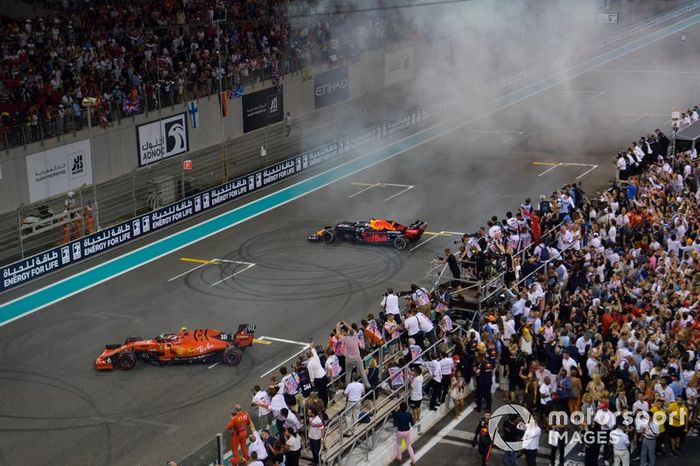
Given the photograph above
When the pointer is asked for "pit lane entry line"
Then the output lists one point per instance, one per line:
(104, 271)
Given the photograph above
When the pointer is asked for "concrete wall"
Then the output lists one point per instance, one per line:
(114, 151)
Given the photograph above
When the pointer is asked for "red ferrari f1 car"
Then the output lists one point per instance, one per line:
(376, 231)
(186, 346)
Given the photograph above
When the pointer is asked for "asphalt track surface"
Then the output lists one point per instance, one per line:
(55, 409)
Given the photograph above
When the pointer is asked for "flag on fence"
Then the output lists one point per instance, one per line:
(193, 110)
(239, 91)
(276, 76)
(223, 97)
(131, 106)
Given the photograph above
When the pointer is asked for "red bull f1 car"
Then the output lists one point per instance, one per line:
(376, 231)
(186, 346)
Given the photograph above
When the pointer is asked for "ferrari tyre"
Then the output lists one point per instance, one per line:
(132, 339)
(328, 236)
(126, 360)
(232, 356)
(401, 243)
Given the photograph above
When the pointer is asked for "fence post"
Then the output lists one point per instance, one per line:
(95, 207)
(182, 178)
(82, 207)
(133, 193)
(219, 449)
(19, 229)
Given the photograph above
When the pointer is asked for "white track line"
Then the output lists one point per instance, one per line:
(494, 131)
(636, 119)
(423, 242)
(214, 365)
(282, 340)
(441, 435)
(587, 172)
(235, 262)
(647, 71)
(189, 271)
(364, 190)
(284, 362)
(549, 169)
(399, 193)
(601, 93)
(233, 275)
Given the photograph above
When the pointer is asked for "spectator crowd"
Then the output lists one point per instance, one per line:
(608, 327)
(124, 55)
(598, 318)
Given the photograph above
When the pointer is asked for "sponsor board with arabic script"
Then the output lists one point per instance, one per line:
(21, 272)
(55, 171)
(162, 139)
(262, 108)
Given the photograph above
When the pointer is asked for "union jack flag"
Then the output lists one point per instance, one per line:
(131, 106)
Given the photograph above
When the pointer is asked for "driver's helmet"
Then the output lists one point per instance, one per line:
(183, 329)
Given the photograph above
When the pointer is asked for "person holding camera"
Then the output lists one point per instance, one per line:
(351, 349)
(420, 300)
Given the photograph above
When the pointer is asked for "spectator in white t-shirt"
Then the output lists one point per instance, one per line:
(416, 396)
(353, 395)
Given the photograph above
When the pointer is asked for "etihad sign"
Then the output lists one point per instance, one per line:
(330, 88)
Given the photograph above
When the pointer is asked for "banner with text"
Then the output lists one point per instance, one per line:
(331, 86)
(59, 170)
(161, 139)
(262, 108)
(25, 270)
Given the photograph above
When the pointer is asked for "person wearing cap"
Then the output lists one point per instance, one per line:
(238, 425)
(605, 419)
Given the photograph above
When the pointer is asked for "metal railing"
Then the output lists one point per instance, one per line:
(142, 191)
(649, 24)
(338, 425)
